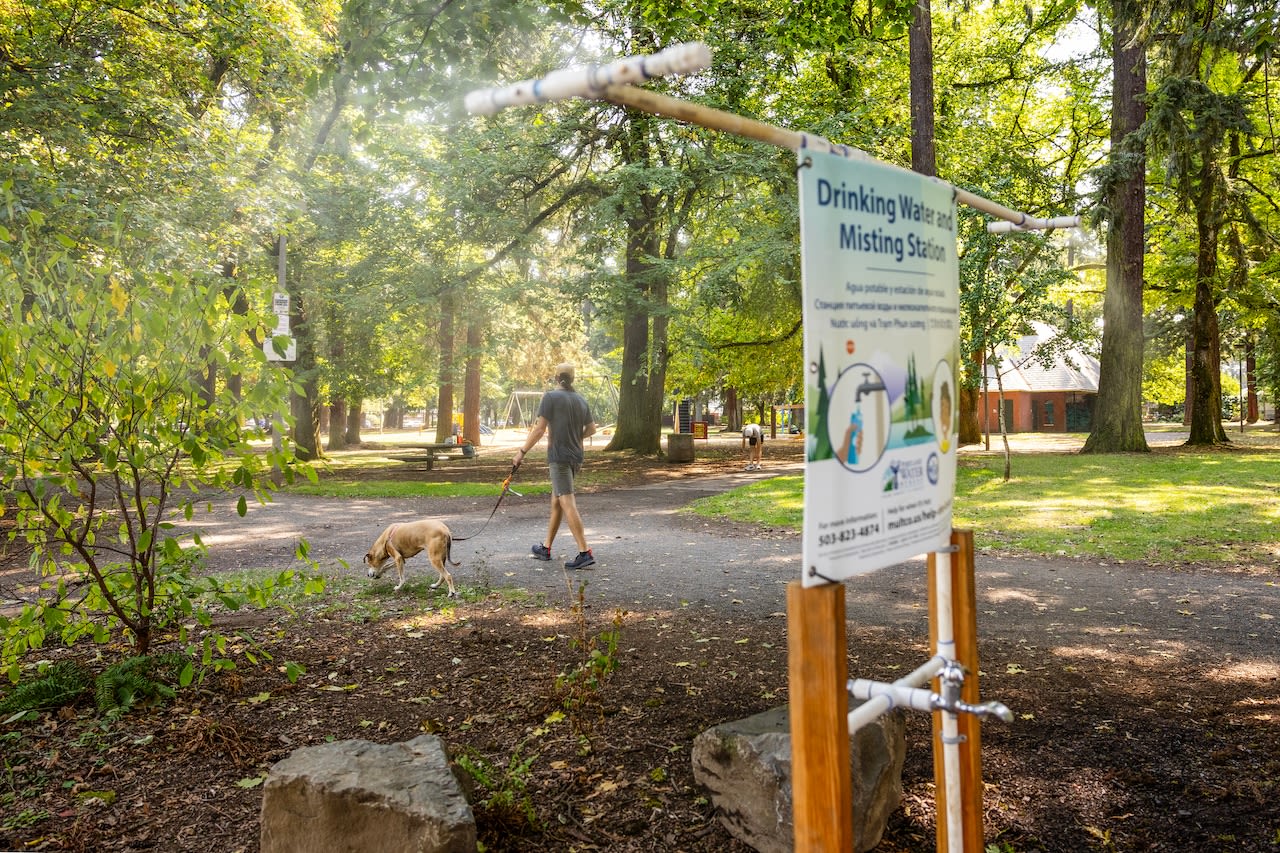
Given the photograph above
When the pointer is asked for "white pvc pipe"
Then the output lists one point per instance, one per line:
(1005, 226)
(881, 697)
(589, 82)
(612, 83)
(950, 724)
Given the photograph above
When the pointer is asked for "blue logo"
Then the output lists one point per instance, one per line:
(931, 469)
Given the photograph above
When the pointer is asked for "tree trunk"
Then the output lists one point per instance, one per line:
(305, 407)
(732, 411)
(471, 386)
(920, 38)
(659, 354)
(1206, 360)
(1004, 427)
(636, 429)
(1117, 421)
(444, 404)
(240, 307)
(338, 425)
(355, 417)
(969, 399)
(644, 338)
(1188, 380)
(1250, 382)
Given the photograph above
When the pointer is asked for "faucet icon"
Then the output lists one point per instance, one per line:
(867, 386)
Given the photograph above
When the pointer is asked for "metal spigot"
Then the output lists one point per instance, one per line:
(951, 679)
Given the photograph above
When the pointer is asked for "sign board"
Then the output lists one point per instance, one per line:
(699, 429)
(280, 305)
(881, 320)
(290, 350)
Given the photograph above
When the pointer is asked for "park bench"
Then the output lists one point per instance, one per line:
(430, 452)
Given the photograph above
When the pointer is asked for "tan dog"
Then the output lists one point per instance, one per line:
(399, 542)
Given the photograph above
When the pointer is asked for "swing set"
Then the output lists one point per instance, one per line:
(821, 723)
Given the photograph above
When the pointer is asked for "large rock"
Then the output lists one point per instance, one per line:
(354, 796)
(746, 765)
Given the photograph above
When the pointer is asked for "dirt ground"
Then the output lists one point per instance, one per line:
(1146, 697)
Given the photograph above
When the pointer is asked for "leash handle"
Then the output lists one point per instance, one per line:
(506, 487)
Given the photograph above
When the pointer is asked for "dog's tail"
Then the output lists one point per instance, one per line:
(448, 550)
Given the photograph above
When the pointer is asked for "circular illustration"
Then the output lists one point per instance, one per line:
(944, 406)
(858, 417)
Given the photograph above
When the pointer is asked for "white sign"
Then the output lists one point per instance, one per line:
(280, 305)
(290, 350)
(881, 320)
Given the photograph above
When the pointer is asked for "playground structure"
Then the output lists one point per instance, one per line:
(817, 649)
(522, 408)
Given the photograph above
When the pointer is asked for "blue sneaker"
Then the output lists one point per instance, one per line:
(542, 552)
(582, 561)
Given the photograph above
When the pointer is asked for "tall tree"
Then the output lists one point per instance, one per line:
(1117, 417)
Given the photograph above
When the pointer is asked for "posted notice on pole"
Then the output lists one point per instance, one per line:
(881, 346)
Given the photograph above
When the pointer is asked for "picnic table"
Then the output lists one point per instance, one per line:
(429, 452)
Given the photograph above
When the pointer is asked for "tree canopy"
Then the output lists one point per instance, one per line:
(443, 261)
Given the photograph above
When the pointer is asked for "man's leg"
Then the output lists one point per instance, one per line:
(569, 506)
(553, 525)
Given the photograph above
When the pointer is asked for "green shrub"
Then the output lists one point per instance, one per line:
(142, 678)
(60, 684)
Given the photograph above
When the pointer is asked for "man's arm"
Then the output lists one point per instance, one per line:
(531, 441)
(589, 430)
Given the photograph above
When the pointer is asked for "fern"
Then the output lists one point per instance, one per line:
(138, 679)
(61, 684)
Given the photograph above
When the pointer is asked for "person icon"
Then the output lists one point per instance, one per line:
(944, 417)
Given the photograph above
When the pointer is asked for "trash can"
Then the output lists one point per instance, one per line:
(680, 447)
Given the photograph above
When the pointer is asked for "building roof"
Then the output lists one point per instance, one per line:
(1022, 369)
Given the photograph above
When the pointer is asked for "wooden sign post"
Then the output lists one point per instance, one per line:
(821, 778)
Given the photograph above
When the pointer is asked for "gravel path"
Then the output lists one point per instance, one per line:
(653, 556)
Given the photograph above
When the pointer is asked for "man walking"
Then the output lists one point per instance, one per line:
(566, 419)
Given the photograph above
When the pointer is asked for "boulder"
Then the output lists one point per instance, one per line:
(746, 765)
(354, 795)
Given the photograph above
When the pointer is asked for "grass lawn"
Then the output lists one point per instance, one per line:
(1171, 505)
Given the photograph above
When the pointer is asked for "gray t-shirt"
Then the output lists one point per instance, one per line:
(567, 416)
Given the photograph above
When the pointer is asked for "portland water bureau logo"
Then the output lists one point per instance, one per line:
(931, 469)
(906, 475)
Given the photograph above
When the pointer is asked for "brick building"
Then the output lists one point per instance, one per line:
(1049, 385)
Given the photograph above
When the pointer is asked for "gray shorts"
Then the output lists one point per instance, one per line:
(562, 474)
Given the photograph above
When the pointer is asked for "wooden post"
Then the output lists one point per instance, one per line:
(964, 618)
(821, 779)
